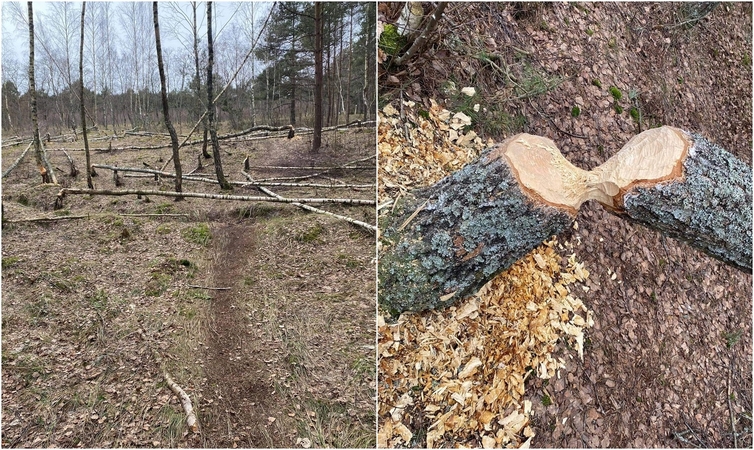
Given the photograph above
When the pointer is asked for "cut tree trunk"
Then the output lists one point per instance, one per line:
(444, 242)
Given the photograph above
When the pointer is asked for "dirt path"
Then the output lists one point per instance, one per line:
(236, 374)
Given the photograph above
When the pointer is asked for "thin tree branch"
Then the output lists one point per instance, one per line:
(421, 41)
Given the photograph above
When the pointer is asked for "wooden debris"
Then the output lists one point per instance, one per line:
(372, 228)
(245, 198)
(17, 161)
(191, 421)
(74, 171)
(463, 368)
(187, 177)
(209, 288)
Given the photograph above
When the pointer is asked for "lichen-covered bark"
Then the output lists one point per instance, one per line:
(710, 208)
(473, 224)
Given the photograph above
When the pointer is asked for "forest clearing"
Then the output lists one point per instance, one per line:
(289, 337)
(226, 301)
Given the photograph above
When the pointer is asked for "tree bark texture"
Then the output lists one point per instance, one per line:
(710, 209)
(442, 243)
(89, 182)
(48, 175)
(318, 81)
(165, 106)
(211, 105)
(445, 242)
(199, 81)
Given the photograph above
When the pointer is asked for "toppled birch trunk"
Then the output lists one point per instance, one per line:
(244, 198)
(16, 162)
(369, 227)
(444, 242)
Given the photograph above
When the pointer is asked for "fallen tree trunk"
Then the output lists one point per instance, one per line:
(245, 198)
(444, 242)
(311, 167)
(237, 183)
(360, 223)
(16, 162)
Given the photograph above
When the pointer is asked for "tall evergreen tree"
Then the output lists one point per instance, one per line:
(317, 140)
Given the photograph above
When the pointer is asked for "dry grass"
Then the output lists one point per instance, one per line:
(76, 293)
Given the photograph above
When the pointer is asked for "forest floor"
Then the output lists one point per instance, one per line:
(282, 357)
(668, 362)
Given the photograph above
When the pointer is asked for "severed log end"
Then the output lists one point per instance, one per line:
(45, 175)
(665, 178)
(708, 205)
(444, 242)
(59, 199)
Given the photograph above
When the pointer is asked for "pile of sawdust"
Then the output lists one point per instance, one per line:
(463, 368)
(418, 147)
(456, 376)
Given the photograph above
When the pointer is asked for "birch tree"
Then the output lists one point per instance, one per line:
(81, 101)
(211, 105)
(165, 106)
(45, 169)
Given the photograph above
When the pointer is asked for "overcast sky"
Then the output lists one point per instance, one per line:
(15, 42)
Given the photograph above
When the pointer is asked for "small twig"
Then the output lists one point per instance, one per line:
(385, 205)
(411, 217)
(578, 136)
(730, 407)
(210, 288)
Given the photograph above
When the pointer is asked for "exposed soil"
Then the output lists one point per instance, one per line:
(668, 362)
(284, 358)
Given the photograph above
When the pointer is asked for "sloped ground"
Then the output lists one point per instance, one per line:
(283, 358)
(668, 362)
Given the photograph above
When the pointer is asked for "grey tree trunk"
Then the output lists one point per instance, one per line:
(199, 81)
(317, 139)
(211, 105)
(444, 242)
(710, 209)
(165, 107)
(89, 182)
(45, 169)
